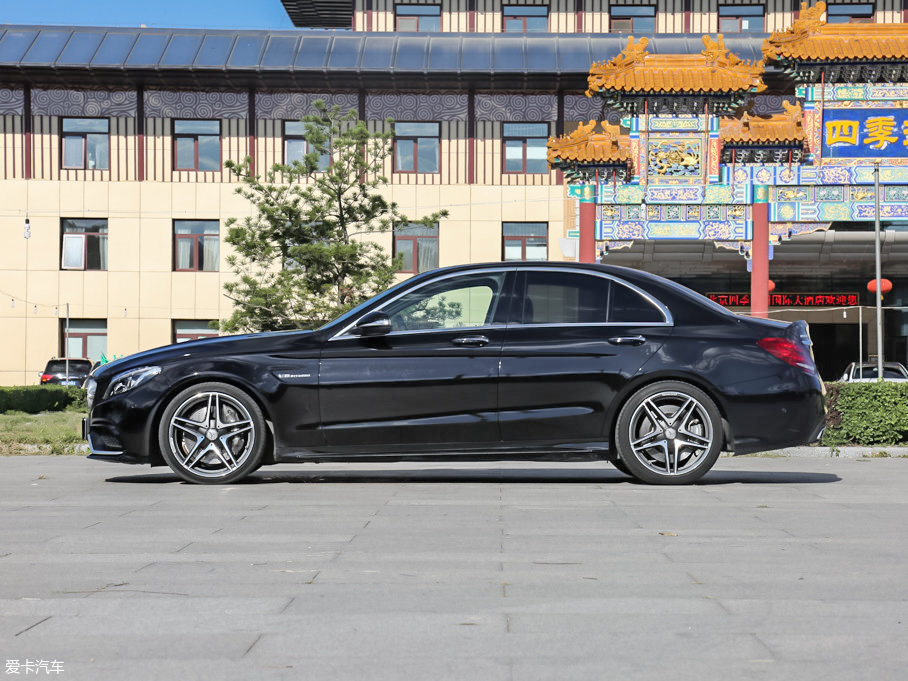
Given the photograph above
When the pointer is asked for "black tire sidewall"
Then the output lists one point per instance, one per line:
(252, 462)
(622, 434)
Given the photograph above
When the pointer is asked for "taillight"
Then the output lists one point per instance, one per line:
(46, 377)
(789, 352)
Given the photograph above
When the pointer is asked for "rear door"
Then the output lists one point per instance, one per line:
(573, 340)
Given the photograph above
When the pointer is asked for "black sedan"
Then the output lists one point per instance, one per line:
(504, 361)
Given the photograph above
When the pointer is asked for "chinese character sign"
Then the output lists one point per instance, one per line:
(865, 133)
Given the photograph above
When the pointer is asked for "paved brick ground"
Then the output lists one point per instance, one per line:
(773, 568)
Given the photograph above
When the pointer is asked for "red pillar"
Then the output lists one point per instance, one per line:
(587, 231)
(759, 258)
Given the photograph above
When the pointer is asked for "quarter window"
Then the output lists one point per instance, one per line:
(626, 19)
(296, 147)
(453, 303)
(86, 143)
(741, 18)
(525, 147)
(628, 306)
(849, 12)
(84, 244)
(196, 245)
(423, 18)
(525, 19)
(197, 145)
(416, 147)
(417, 245)
(525, 241)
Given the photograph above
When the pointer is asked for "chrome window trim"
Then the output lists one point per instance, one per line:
(666, 314)
(343, 335)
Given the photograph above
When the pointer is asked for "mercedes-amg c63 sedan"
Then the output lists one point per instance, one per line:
(497, 361)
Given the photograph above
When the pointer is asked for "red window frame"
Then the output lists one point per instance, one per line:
(414, 264)
(183, 337)
(415, 139)
(523, 17)
(418, 17)
(630, 29)
(84, 135)
(196, 247)
(194, 136)
(523, 138)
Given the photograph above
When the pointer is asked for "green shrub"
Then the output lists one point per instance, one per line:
(37, 398)
(866, 414)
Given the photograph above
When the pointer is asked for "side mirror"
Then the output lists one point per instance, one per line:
(374, 324)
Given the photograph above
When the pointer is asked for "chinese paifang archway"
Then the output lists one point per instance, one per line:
(689, 161)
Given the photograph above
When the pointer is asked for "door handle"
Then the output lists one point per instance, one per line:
(471, 340)
(627, 340)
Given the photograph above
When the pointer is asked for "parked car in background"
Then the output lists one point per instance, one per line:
(55, 371)
(866, 372)
(521, 360)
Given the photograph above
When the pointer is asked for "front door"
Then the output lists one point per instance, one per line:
(573, 340)
(431, 384)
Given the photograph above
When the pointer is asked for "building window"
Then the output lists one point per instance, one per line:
(625, 19)
(416, 147)
(418, 247)
(86, 143)
(525, 240)
(525, 147)
(741, 18)
(84, 338)
(296, 146)
(192, 329)
(197, 145)
(83, 244)
(195, 245)
(849, 13)
(423, 18)
(525, 19)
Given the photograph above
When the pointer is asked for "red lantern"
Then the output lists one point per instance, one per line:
(772, 286)
(885, 285)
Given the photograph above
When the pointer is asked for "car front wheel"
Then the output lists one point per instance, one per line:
(212, 433)
(669, 433)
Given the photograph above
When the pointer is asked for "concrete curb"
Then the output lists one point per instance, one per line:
(878, 451)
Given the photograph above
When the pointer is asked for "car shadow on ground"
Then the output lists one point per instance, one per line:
(495, 476)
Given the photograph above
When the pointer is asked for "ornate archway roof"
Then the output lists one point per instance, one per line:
(810, 39)
(714, 70)
(585, 147)
(778, 129)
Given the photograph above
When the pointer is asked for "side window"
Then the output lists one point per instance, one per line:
(564, 298)
(458, 302)
(627, 305)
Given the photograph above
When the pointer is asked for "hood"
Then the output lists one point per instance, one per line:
(203, 347)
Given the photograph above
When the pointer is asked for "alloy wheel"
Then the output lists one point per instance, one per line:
(671, 433)
(211, 434)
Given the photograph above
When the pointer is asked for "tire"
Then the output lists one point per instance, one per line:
(619, 464)
(212, 433)
(669, 433)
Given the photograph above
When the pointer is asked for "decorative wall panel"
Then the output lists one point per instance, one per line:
(423, 107)
(583, 108)
(12, 102)
(84, 103)
(189, 104)
(286, 105)
(516, 107)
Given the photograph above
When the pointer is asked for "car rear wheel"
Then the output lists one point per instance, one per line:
(212, 433)
(669, 433)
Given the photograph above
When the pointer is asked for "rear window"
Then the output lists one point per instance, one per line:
(58, 366)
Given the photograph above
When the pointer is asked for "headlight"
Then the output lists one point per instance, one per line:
(91, 387)
(128, 380)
